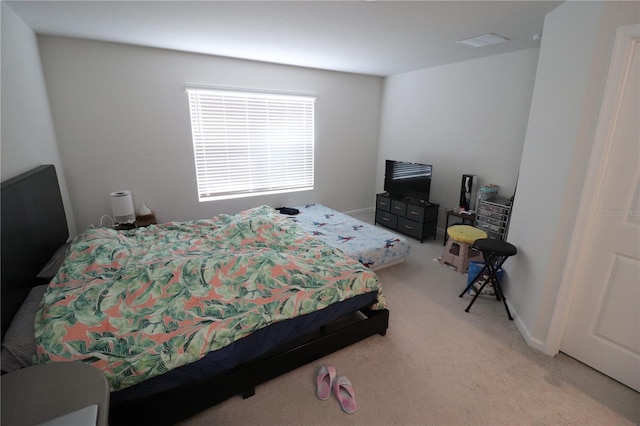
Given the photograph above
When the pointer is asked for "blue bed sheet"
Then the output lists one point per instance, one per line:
(372, 246)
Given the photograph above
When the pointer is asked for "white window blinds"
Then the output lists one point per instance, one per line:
(248, 143)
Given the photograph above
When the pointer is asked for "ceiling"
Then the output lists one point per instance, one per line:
(367, 37)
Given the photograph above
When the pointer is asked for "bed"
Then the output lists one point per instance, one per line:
(374, 247)
(88, 304)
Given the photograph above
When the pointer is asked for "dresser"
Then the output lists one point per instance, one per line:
(415, 218)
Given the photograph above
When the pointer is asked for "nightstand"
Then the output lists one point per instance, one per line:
(141, 221)
(145, 220)
(59, 390)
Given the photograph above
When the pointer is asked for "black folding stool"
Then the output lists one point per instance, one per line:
(495, 253)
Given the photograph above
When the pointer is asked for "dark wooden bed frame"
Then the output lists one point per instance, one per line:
(34, 225)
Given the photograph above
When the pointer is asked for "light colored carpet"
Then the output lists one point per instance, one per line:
(439, 365)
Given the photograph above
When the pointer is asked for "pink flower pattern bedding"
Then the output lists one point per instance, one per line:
(138, 303)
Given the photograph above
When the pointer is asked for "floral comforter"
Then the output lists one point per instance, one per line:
(139, 303)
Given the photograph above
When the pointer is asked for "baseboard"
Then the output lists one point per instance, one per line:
(534, 342)
(360, 211)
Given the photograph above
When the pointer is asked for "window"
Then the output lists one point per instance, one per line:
(248, 143)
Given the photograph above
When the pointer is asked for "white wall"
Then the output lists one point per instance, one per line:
(122, 122)
(572, 69)
(28, 138)
(463, 118)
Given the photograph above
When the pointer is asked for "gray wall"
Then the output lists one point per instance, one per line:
(28, 138)
(122, 122)
(572, 70)
(464, 118)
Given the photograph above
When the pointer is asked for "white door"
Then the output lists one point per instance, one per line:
(603, 325)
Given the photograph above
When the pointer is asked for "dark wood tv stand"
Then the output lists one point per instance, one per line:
(413, 217)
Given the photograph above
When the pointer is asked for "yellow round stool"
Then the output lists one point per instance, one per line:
(457, 251)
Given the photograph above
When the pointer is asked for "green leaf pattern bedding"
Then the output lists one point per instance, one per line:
(138, 303)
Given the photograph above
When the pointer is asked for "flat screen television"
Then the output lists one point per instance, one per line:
(402, 178)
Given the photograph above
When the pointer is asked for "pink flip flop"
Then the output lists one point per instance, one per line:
(324, 381)
(343, 389)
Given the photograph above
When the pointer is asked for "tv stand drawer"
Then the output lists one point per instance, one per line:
(387, 219)
(410, 228)
(383, 203)
(398, 208)
(415, 213)
(409, 216)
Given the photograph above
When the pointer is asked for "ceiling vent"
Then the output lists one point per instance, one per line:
(484, 40)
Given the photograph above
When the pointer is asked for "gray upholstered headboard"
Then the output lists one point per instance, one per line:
(34, 225)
